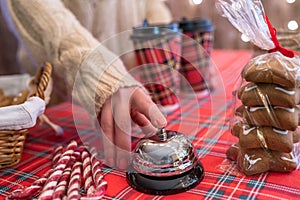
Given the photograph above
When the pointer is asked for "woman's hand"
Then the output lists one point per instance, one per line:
(130, 103)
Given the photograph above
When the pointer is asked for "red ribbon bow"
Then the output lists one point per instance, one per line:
(284, 51)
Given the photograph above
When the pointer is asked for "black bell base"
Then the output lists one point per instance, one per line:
(165, 185)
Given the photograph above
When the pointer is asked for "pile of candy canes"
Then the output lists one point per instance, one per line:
(73, 166)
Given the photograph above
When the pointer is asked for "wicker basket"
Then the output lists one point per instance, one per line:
(12, 141)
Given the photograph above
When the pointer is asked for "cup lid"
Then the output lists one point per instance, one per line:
(197, 24)
(173, 26)
(152, 31)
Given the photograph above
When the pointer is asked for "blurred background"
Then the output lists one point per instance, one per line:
(284, 15)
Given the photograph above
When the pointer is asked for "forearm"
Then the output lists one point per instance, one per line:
(50, 32)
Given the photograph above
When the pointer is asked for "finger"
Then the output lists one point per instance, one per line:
(143, 103)
(122, 129)
(139, 118)
(147, 128)
(107, 126)
(122, 141)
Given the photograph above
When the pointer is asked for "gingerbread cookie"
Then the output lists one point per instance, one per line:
(255, 161)
(20, 98)
(272, 68)
(6, 100)
(1, 93)
(277, 116)
(268, 94)
(296, 137)
(265, 137)
(282, 162)
(233, 152)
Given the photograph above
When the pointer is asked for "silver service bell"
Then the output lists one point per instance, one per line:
(163, 164)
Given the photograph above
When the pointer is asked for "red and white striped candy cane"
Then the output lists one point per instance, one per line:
(98, 193)
(54, 177)
(101, 184)
(61, 187)
(32, 190)
(78, 152)
(74, 184)
(57, 154)
(87, 173)
(96, 170)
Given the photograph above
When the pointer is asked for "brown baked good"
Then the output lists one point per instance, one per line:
(269, 116)
(265, 137)
(6, 100)
(268, 94)
(240, 111)
(256, 161)
(283, 162)
(278, 117)
(272, 68)
(253, 161)
(296, 137)
(1, 93)
(233, 152)
(20, 98)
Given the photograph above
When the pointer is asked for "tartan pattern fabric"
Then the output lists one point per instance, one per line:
(161, 82)
(211, 139)
(163, 50)
(158, 59)
(195, 61)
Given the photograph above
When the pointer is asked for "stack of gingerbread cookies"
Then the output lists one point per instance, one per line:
(268, 117)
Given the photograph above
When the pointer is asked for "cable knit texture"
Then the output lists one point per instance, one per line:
(51, 32)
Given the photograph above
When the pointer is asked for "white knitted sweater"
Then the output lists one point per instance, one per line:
(83, 68)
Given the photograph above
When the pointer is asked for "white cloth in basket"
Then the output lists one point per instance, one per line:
(21, 116)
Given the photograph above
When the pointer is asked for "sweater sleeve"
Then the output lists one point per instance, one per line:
(89, 72)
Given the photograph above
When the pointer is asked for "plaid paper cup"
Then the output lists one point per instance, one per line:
(195, 61)
(157, 52)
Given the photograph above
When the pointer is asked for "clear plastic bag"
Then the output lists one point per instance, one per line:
(266, 113)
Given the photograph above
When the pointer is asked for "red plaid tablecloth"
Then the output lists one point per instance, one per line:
(211, 140)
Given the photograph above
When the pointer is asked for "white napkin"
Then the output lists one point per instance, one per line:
(21, 116)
